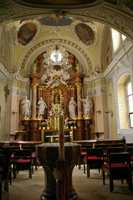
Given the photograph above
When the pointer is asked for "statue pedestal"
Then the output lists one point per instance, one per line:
(48, 154)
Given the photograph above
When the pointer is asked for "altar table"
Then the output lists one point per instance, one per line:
(48, 154)
(45, 133)
(54, 137)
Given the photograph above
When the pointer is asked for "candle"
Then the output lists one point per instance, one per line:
(61, 138)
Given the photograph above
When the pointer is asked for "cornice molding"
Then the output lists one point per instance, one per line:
(4, 71)
(118, 59)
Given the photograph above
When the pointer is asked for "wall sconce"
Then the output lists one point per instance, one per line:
(107, 111)
(13, 112)
(98, 111)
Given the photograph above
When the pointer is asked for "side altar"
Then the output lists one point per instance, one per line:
(57, 91)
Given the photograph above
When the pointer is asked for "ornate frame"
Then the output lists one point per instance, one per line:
(53, 92)
(91, 25)
(20, 24)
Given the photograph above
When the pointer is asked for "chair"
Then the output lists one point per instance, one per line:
(130, 149)
(93, 159)
(112, 150)
(34, 157)
(104, 147)
(118, 145)
(21, 162)
(0, 187)
(119, 167)
(12, 156)
(83, 154)
(5, 168)
(129, 144)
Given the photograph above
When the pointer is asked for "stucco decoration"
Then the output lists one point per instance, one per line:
(3, 53)
(40, 44)
(108, 48)
(26, 32)
(85, 32)
(118, 17)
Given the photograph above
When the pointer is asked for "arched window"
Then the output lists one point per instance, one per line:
(125, 102)
(129, 96)
(117, 39)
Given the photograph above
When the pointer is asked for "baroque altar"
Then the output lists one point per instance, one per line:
(57, 90)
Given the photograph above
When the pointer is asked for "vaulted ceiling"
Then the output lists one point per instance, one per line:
(116, 13)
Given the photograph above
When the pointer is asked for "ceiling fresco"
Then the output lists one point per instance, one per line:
(54, 21)
(26, 33)
(85, 33)
(60, 2)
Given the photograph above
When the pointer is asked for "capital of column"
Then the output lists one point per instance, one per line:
(73, 87)
(34, 84)
(39, 88)
(69, 87)
(79, 85)
(43, 87)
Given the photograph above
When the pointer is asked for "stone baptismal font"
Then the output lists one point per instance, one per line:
(58, 181)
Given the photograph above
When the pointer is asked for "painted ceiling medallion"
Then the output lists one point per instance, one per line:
(55, 21)
(27, 31)
(85, 33)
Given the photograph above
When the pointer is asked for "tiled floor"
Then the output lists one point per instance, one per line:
(24, 188)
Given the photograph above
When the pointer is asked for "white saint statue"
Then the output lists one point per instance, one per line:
(72, 108)
(41, 107)
(25, 105)
(87, 106)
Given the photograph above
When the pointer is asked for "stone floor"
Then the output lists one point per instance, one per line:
(24, 188)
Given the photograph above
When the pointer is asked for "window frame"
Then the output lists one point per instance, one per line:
(127, 101)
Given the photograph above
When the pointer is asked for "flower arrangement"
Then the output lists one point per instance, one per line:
(43, 124)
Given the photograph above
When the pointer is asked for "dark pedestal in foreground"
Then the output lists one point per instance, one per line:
(48, 155)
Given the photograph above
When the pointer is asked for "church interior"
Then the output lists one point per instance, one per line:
(66, 58)
(96, 48)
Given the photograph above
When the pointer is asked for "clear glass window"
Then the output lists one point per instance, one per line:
(123, 37)
(116, 39)
(130, 103)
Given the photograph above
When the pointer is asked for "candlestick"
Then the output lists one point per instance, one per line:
(61, 138)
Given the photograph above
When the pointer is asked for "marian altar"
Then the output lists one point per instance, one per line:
(56, 91)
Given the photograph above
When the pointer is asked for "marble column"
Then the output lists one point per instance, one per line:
(39, 92)
(34, 92)
(68, 99)
(73, 93)
(35, 77)
(79, 95)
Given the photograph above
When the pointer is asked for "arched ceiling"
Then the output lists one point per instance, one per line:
(116, 13)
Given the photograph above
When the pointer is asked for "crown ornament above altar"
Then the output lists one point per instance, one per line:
(56, 64)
